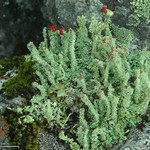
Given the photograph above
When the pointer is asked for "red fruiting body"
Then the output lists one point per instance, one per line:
(61, 31)
(104, 9)
(52, 28)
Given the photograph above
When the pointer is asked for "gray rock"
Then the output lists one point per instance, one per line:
(49, 11)
(10, 104)
(49, 141)
(137, 139)
(18, 19)
(69, 10)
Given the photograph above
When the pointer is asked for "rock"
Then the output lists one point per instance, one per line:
(49, 11)
(138, 138)
(20, 22)
(10, 104)
(49, 141)
(65, 12)
(69, 10)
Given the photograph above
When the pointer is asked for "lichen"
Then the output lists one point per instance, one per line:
(89, 63)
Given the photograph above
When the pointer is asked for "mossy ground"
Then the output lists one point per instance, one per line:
(21, 84)
(25, 136)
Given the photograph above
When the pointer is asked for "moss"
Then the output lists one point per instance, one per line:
(31, 137)
(20, 84)
(10, 63)
(14, 128)
(6, 65)
(26, 137)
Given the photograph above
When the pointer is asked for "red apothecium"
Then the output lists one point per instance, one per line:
(52, 28)
(104, 9)
(61, 31)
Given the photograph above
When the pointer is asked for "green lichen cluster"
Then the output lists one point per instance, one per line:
(91, 88)
(21, 83)
(141, 12)
(124, 36)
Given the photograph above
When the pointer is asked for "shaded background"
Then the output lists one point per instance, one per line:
(22, 21)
